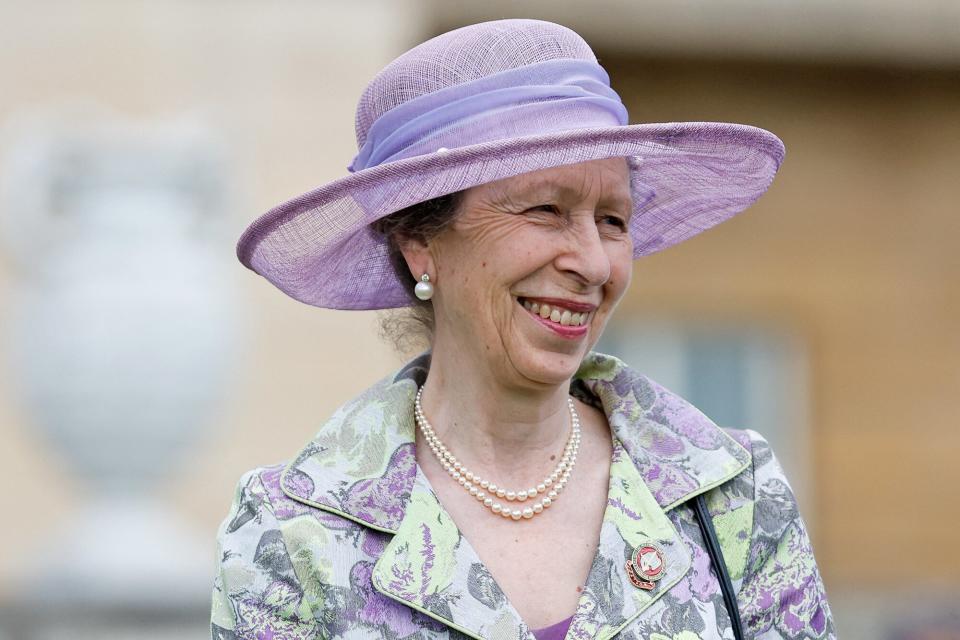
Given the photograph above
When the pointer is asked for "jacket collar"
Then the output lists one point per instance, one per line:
(361, 463)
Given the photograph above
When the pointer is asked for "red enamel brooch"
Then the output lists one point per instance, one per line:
(645, 566)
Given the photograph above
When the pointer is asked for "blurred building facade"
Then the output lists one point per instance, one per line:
(851, 257)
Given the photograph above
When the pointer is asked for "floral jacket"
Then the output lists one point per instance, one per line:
(349, 540)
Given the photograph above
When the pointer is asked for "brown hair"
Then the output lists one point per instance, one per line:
(410, 327)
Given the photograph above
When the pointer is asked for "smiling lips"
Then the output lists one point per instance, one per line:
(558, 315)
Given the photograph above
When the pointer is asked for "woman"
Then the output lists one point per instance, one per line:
(510, 483)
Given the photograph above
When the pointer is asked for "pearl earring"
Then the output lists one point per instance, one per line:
(424, 290)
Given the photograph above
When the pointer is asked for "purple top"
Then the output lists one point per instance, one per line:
(554, 632)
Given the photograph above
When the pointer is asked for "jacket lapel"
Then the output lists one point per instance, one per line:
(632, 519)
(678, 451)
(361, 463)
(665, 452)
(361, 466)
(430, 566)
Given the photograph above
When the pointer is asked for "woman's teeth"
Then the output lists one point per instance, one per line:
(561, 316)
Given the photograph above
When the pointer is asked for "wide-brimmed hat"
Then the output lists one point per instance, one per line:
(486, 102)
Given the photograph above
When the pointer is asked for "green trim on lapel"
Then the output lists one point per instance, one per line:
(632, 517)
(429, 566)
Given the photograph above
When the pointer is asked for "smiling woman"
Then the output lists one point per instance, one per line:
(509, 482)
(541, 191)
(501, 249)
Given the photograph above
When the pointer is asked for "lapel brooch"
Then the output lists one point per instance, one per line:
(645, 566)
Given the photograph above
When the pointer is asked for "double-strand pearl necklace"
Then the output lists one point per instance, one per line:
(485, 491)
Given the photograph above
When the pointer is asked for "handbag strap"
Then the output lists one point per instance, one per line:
(716, 558)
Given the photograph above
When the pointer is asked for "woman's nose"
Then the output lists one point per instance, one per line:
(585, 255)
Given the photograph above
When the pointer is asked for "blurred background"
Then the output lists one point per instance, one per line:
(143, 369)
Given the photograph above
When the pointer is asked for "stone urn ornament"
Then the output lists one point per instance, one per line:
(121, 339)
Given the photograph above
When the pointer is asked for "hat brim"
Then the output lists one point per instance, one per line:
(319, 247)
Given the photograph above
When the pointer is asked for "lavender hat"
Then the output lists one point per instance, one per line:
(479, 104)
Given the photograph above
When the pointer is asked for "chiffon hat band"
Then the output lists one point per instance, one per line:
(482, 103)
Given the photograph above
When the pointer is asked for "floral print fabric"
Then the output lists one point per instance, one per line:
(350, 541)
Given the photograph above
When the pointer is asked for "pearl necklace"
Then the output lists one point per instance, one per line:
(485, 491)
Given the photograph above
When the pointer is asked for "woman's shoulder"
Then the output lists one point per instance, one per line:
(258, 493)
(762, 482)
(769, 548)
(254, 528)
(256, 578)
(272, 534)
(265, 498)
(279, 558)
(764, 473)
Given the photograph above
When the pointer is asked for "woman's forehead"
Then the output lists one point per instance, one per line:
(607, 179)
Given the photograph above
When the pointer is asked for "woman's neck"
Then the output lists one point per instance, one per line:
(506, 433)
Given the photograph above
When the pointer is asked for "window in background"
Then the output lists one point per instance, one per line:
(743, 376)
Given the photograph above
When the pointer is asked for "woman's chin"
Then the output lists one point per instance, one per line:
(548, 368)
(544, 354)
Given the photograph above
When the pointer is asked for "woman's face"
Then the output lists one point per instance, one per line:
(531, 269)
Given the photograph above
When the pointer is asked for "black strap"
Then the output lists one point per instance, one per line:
(716, 557)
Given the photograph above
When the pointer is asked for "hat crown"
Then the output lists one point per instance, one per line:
(463, 55)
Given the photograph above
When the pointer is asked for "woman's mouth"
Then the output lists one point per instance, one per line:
(554, 315)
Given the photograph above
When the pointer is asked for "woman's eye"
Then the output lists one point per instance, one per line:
(616, 221)
(552, 208)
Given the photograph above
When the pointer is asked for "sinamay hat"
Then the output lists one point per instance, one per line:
(482, 103)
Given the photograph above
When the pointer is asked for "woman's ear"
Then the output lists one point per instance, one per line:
(418, 257)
